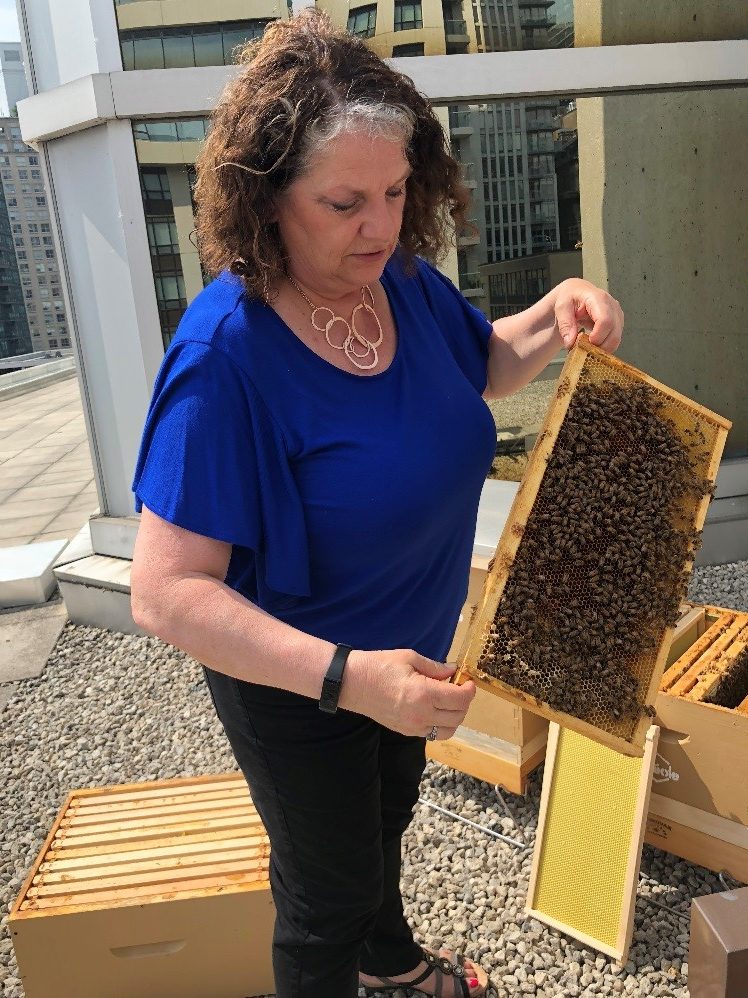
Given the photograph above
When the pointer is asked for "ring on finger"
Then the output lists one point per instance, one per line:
(431, 736)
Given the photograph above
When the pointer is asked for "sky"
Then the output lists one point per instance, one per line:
(9, 22)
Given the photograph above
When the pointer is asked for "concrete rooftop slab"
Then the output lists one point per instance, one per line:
(27, 637)
(47, 487)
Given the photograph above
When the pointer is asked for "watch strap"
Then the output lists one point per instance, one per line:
(331, 684)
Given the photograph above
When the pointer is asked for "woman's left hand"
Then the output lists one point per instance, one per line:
(580, 304)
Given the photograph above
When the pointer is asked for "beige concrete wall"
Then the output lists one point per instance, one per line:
(564, 265)
(636, 22)
(152, 13)
(448, 266)
(185, 223)
(664, 203)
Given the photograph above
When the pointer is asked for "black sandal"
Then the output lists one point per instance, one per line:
(443, 967)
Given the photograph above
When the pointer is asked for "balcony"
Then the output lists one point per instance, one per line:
(535, 21)
(467, 238)
(471, 286)
(460, 124)
(455, 30)
(467, 178)
(539, 125)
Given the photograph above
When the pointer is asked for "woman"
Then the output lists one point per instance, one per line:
(309, 476)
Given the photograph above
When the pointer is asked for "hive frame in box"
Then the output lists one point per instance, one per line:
(552, 797)
(511, 539)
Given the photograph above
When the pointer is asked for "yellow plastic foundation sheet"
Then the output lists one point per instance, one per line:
(593, 811)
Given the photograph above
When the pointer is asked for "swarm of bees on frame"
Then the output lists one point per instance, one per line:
(604, 558)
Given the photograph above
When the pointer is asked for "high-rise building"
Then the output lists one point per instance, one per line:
(14, 330)
(13, 85)
(31, 232)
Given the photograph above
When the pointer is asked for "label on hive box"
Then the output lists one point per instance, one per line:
(658, 828)
(663, 771)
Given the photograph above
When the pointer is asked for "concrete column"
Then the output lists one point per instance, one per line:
(664, 202)
(96, 204)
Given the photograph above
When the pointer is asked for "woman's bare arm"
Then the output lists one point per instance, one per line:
(178, 593)
(521, 345)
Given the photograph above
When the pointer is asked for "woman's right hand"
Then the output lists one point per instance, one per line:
(405, 692)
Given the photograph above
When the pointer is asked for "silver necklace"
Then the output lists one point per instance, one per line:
(356, 347)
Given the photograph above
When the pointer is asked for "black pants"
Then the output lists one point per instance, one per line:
(335, 793)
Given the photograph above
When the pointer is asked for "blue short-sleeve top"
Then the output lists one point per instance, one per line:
(349, 500)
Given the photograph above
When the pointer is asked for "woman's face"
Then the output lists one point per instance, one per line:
(340, 221)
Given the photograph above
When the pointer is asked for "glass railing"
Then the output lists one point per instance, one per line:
(452, 27)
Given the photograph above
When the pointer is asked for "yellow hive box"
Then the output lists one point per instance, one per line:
(157, 889)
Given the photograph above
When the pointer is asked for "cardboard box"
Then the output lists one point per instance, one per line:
(718, 951)
(498, 742)
(158, 890)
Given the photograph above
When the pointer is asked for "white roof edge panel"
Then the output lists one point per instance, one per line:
(581, 72)
(71, 107)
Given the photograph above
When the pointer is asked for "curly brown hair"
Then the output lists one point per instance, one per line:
(297, 77)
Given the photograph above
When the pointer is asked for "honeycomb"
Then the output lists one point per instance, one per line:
(605, 552)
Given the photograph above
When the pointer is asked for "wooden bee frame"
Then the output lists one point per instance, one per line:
(585, 866)
(583, 364)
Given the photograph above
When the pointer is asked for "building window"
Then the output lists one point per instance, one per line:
(188, 45)
(399, 51)
(41, 201)
(50, 254)
(65, 342)
(181, 130)
(362, 21)
(407, 15)
(155, 185)
(53, 343)
(162, 236)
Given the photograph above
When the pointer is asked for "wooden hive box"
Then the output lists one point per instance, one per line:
(580, 601)
(497, 742)
(156, 889)
(699, 804)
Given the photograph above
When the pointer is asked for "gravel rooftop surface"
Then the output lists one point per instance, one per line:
(112, 708)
